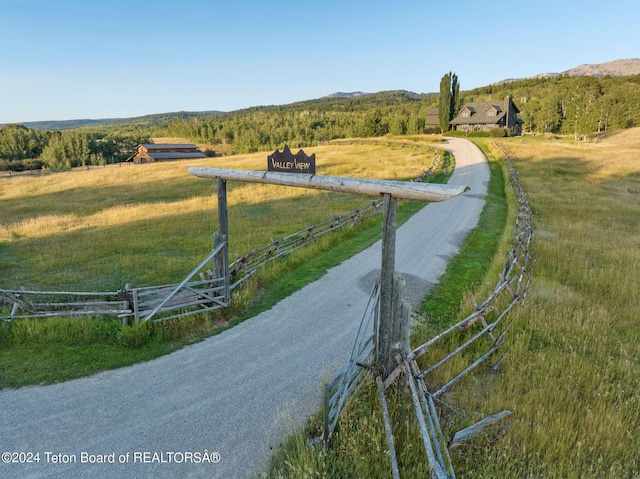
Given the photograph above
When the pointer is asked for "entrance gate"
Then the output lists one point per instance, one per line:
(392, 331)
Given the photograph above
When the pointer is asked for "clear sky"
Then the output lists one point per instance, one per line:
(73, 59)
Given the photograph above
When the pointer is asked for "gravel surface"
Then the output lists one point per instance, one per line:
(233, 396)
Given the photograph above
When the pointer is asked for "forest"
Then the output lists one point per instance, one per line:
(563, 105)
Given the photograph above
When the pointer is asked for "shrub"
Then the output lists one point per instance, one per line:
(478, 134)
(21, 165)
(498, 132)
(456, 133)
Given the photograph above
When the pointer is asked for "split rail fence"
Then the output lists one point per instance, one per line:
(200, 291)
(510, 290)
(245, 266)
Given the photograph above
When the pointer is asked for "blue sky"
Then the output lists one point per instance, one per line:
(70, 59)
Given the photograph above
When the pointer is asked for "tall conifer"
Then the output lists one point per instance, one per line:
(448, 100)
(444, 102)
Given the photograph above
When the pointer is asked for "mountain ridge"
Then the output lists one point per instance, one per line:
(616, 68)
(621, 67)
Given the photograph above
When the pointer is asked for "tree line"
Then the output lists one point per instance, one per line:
(22, 148)
(577, 106)
(308, 123)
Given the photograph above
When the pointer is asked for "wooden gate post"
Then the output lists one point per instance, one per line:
(392, 334)
(221, 262)
(385, 323)
(391, 338)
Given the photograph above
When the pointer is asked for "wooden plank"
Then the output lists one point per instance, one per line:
(471, 367)
(62, 293)
(479, 428)
(436, 469)
(69, 314)
(457, 350)
(397, 189)
(387, 428)
(434, 413)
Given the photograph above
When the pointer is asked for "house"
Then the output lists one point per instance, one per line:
(150, 153)
(485, 115)
(433, 119)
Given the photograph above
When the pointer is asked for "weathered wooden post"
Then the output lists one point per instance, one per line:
(393, 326)
(384, 357)
(221, 262)
(126, 303)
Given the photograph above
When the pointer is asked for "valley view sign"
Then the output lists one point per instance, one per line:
(286, 162)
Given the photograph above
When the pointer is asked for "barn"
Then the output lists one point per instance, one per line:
(151, 153)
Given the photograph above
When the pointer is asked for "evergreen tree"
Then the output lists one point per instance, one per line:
(455, 96)
(448, 100)
(444, 102)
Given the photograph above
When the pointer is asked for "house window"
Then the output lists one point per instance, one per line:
(465, 127)
(491, 113)
(465, 114)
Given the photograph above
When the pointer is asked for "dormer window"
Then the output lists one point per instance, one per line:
(465, 114)
(491, 113)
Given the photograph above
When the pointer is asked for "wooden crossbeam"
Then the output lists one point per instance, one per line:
(365, 186)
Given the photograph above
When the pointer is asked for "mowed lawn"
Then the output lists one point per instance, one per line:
(571, 372)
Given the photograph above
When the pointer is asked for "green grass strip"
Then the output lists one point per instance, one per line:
(468, 268)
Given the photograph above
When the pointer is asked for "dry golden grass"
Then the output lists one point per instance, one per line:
(572, 367)
(149, 224)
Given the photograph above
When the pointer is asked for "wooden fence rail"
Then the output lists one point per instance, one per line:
(245, 266)
(52, 304)
(358, 366)
(143, 304)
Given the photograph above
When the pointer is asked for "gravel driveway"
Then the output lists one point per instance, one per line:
(216, 409)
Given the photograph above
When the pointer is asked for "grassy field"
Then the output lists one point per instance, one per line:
(571, 368)
(100, 228)
(97, 229)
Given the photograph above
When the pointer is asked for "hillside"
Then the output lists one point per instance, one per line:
(146, 120)
(615, 68)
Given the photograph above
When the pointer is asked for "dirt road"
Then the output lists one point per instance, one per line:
(217, 409)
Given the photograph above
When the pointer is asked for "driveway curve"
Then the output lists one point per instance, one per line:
(218, 408)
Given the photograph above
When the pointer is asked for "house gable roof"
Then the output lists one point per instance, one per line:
(169, 146)
(479, 111)
(176, 155)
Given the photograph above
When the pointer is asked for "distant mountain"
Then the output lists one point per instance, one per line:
(139, 120)
(355, 94)
(67, 124)
(616, 68)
